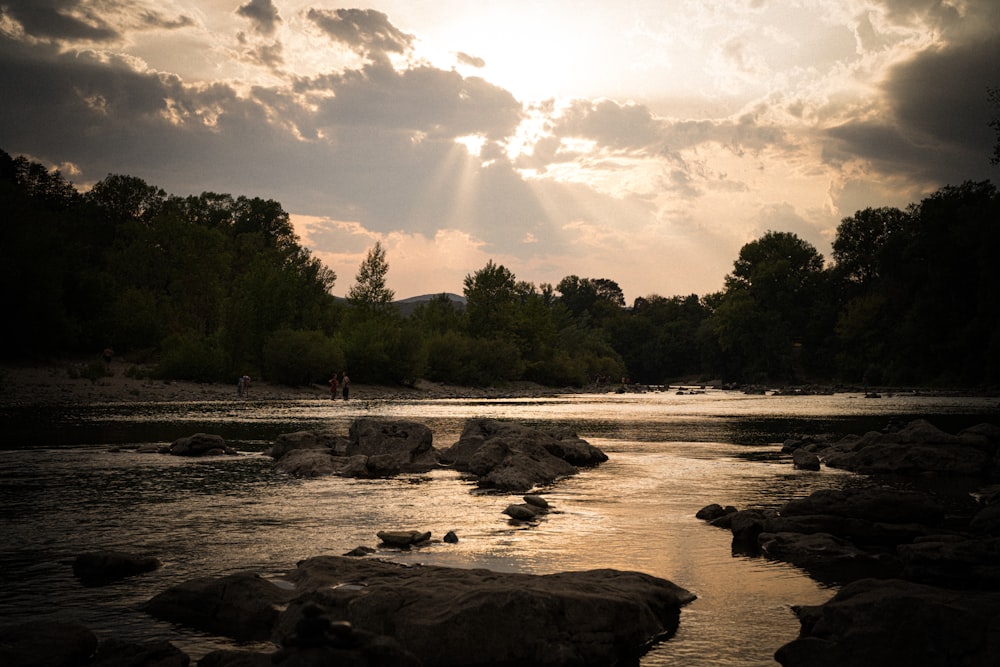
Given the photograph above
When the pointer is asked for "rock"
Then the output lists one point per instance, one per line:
(408, 443)
(243, 606)
(917, 448)
(101, 567)
(873, 623)
(872, 504)
(46, 644)
(523, 512)
(403, 538)
(115, 653)
(746, 526)
(987, 520)
(805, 460)
(324, 440)
(953, 561)
(451, 537)
(515, 458)
(309, 462)
(319, 641)
(360, 552)
(233, 658)
(825, 557)
(536, 500)
(201, 444)
(458, 616)
(714, 511)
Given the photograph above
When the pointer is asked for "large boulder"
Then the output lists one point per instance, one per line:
(871, 504)
(873, 623)
(201, 444)
(454, 616)
(827, 558)
(918, 448)
(309, 462)
(951, 560)
(409, 443)
(100, 567)
(46, 644)
(512, 457)
(322, 440)
(243, 606)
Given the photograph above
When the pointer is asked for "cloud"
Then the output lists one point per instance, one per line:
(59, 19)
(471, 61)
(263, 14)
(366, 31)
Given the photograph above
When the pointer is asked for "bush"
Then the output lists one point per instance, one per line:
(301, 357)
(186, 357)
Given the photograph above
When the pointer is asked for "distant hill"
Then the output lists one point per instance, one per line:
(407, 306)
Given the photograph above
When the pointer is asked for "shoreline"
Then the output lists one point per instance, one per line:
(57, 383)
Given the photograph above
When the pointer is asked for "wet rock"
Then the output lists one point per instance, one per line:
(201, 444)
(243, 606)
(523, 512)
(512, 457)
(329, 441)
(100, 567)
(825, 557)
(309, 462)
(953, 561)
(872, 623)
(233, 658)
(409, 444)
(403, 538)
(360, 552)
(918, 448)
(805, 460)
(451, 537)
(746, 526)
(536, 500)
(714, 511)
(46, 644)
(872, 504)
(460, 616)
(987, 520)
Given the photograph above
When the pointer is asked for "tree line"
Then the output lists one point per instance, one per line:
(213, 286)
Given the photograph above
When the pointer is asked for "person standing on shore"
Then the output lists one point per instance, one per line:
(346, 383)
(333, 386)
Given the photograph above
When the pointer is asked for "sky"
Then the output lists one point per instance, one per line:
(641, 141)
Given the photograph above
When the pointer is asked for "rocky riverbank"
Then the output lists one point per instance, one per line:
(920, 567)
(70, 382)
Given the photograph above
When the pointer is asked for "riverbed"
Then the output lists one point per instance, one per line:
(65, 490)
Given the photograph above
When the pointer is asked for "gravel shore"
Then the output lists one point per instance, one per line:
(62, 382)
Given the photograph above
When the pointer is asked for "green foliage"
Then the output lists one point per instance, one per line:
(460, 359)
(189, 357)
(218, 286)
(370, 290)
(301, 357)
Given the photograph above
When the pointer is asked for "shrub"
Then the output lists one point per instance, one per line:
(301, 357)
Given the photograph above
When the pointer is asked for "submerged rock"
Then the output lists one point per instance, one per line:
(99, 567)
(201, 444)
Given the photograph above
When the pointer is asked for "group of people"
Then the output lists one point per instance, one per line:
(243, 385)
(344, 384)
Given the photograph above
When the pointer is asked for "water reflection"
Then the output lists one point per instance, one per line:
(62, 492)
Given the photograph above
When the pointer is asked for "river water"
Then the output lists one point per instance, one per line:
(64, 492)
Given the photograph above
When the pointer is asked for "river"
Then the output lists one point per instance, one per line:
(64, 492)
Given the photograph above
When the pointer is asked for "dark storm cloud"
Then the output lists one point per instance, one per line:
(936, 129)
(263, 14)
(59, 19)
(365, 31)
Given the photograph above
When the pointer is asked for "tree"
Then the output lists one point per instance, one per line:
(370, 292)
(993, 95)
(869, 243)
(491, 297)
(768, 312)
